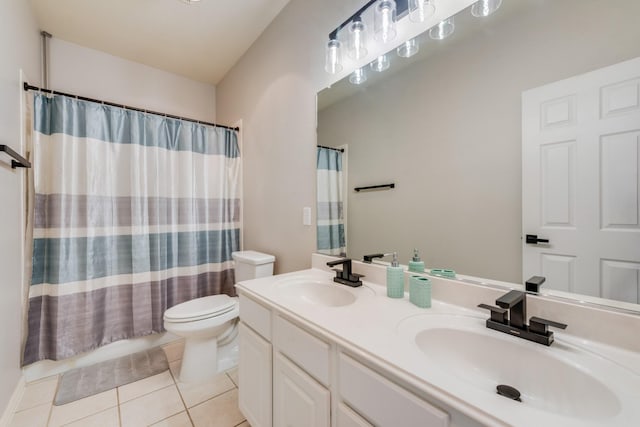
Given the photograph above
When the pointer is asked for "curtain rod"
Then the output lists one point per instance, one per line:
(28, 87)
(331, 148)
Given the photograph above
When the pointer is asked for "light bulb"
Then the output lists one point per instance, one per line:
(333, 57)
(443, 30)
(384, 20)
(359, 76)
(421, 10)
(484, 8)
(357, 36)
(380, 64)
(408, 48)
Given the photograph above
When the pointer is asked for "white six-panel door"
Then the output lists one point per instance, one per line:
(581, 182)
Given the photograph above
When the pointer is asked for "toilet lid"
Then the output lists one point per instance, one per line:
(201, 308)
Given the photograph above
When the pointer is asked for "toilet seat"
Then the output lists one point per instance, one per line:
(200, 309)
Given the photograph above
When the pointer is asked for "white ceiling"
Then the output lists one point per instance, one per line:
(201, 41)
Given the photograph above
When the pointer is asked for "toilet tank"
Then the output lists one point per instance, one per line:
(252, 265)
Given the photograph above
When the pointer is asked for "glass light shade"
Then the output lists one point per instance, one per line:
(357, 37)
(384, 20)
(484, 8)
(443, 30)
(421, 10)
(408, 48)
(380, 64)
(359, 76)
(333, 57)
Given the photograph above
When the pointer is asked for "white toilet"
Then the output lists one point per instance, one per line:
(209, 324)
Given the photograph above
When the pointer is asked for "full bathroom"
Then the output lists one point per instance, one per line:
(339, 213)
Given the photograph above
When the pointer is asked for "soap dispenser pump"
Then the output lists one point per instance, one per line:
(395, 279)
(416, 265)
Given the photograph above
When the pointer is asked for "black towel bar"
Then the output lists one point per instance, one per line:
(19, 162)
(375, 187)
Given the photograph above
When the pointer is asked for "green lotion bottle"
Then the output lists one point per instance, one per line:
(395, 279)
(416, 265)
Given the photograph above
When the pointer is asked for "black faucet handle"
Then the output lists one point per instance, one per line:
(338, 262)
(369, 258)
(540, 326)
(497, 314)
(534, 283)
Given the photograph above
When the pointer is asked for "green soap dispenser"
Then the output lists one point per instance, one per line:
(416, 265)
(395, 279)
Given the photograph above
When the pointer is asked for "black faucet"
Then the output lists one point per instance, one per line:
(345, 276)
(515, 304)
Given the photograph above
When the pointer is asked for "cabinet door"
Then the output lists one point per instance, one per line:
(254, 374)
(298, 400)
(346, 417)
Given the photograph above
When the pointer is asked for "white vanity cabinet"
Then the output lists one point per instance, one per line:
(292, 377)
(255, 364)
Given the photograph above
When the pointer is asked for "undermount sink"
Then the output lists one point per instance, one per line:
(318, 292)
(555, 379)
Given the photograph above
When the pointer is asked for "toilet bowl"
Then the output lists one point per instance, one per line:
(206, 324)
(209, 324)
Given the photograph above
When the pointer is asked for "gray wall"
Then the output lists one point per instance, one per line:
(19, 49)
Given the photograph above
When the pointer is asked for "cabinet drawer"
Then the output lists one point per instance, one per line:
(307, 351)
(256, 316)
(384, 403)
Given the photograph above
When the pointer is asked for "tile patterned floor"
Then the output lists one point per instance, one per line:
(159, 401)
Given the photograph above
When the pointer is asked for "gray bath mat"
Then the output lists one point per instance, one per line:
(90, 380)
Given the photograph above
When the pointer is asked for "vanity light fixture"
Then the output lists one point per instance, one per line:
(358, 77)
(408, 48)
(381, 15)
(357, 37)
(421, 10)
(384, 20)
(380, 64)
(443, 30)
(333, 57)
(484, 8)
(190, 1)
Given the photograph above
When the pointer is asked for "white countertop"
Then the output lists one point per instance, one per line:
(369, 327)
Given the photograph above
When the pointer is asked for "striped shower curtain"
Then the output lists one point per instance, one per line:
(132, 213)
(330, 233)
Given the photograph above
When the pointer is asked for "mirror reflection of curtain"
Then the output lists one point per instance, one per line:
(133, 213)
(331, 236)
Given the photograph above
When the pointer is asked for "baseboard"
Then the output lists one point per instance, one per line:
(12, 406)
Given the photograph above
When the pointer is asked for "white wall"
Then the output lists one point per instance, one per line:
(273, 90)
(87, 72)
(19, 49)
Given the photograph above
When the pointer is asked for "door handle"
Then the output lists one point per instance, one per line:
(532, 239)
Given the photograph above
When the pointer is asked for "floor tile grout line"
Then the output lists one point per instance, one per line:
(148, 392)
(186, 409)
(119, 413)
(163, 388)
(49, 379)
(87, 416)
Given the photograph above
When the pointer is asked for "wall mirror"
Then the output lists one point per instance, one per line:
(447, 127)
